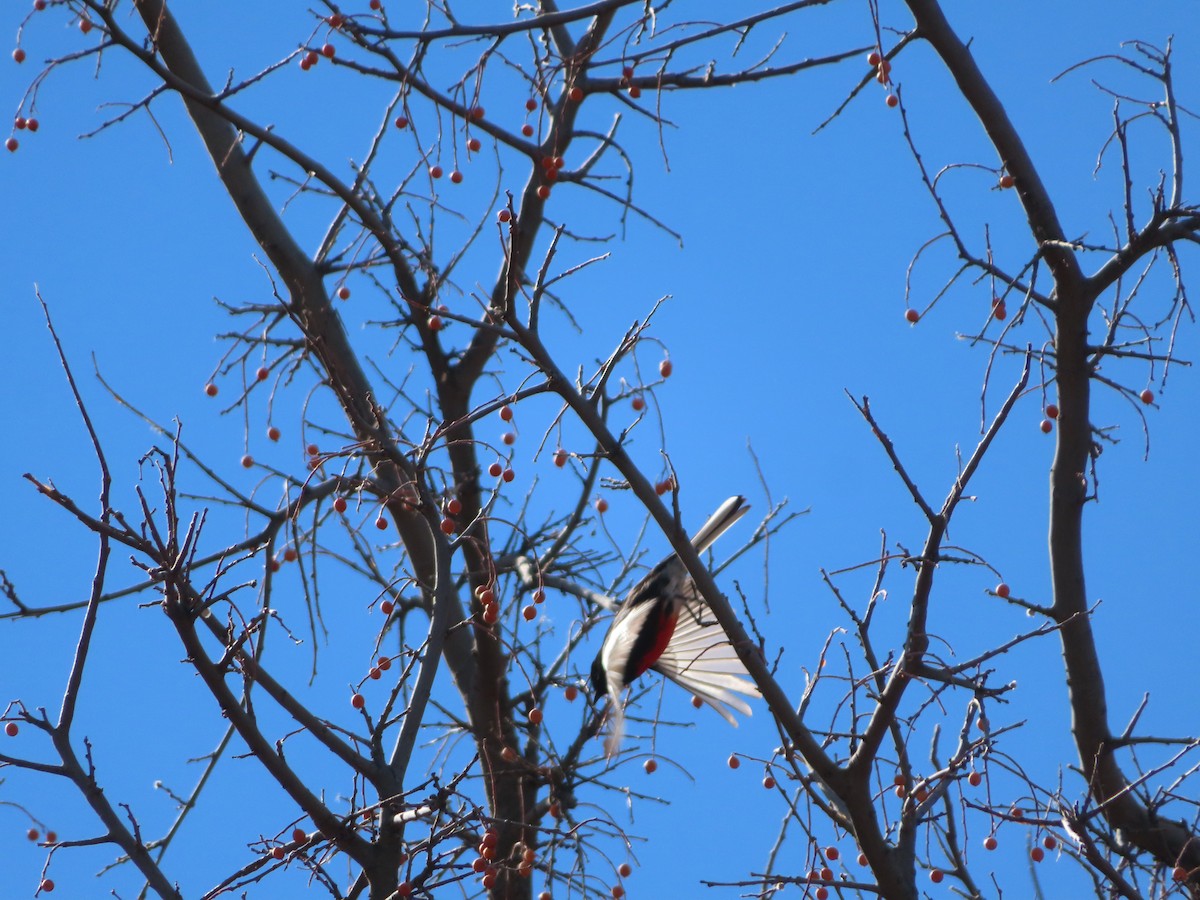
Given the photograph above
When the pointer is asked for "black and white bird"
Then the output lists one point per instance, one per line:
(665, 625)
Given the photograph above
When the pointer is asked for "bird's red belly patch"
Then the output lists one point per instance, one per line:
(663, 633)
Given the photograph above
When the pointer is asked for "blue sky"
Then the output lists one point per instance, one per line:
(787, 292)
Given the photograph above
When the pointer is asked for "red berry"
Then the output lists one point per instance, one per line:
(405, 888)
(989, 843)
(11, 729)
(358, 701)
(262, 374)
(504, 215)
(491, 613)
(436, 323)
(560, 457)
(531, 104)
(47, 885)
(635, 91)
(273, 433)
(651, 766)
(51, 837)
(576, 94)
(343, 293)
(33, 834)
(862, 859)
(697, 702)
(543, 191)
(381, 523)
(19, 123)
(247, 461)
(1037, 854)
(290, 554)
(912, 315)
(627, 72)
(1003, 590)
(975, 779)
(18, 55)
(328, 50)
(339, 504)
(665, 368)
(769, 783)
(31, 124)
(477, 113)
(936, 876)
(376, 673)
(1051, 411)
(822, 893)
(495, 469)
(473, 144)
(508, 475)
(277, 852)
(456, 177)
(1000, 311)
(831, 853)
(1179, 873)
(570, 693)
(384, 663)
(375, 4)
(305, 64)
(873, 60)
(1047, 426)
(312, 450)
(638, 403)
(509, 438)
(299, 835)
(892, 100)
(386, 607)
(274, 565)
(601, 505)
(624, 870)
(506, 413)
(1007, 181)
(85, 25)
(334, 21)
(401, 122)
(447, 526)
(527, 130)
(1049, 842)
(618, 892)
(313, 57)
(453, 506)
(39, 4)
(1147, 396)
(11, 145)
(733, 761)
(535, 716)
(435, 171)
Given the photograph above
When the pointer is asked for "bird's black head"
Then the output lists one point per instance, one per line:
(599, 677)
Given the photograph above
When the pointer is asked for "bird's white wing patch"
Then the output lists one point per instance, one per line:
(701, 660)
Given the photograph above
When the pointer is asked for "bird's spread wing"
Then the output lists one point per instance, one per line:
(700, 659)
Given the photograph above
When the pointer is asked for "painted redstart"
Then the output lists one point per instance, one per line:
(665, 625)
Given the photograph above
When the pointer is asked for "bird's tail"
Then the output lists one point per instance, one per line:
(719, 522)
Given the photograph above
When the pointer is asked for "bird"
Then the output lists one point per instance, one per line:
(665, 625)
